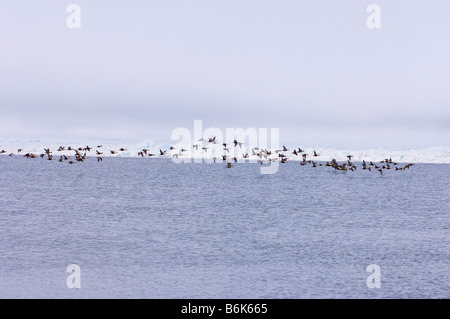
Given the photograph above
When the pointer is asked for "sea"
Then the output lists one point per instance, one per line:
(129, 227)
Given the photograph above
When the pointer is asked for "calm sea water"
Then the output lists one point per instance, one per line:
(150, 228)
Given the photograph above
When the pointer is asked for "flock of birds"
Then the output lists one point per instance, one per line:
(227, 156)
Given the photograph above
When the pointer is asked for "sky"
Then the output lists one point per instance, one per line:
(313, 69)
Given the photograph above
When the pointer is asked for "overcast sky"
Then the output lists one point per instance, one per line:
(313, 69)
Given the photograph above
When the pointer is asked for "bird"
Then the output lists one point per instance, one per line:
(236, 143)
(262, 155)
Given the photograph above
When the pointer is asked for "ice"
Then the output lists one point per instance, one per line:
(436, 154)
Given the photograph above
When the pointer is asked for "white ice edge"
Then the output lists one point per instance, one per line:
(435, 154)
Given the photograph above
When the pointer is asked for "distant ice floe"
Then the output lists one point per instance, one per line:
(438, 154)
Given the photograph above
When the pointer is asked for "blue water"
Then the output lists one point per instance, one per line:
(150, 228)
